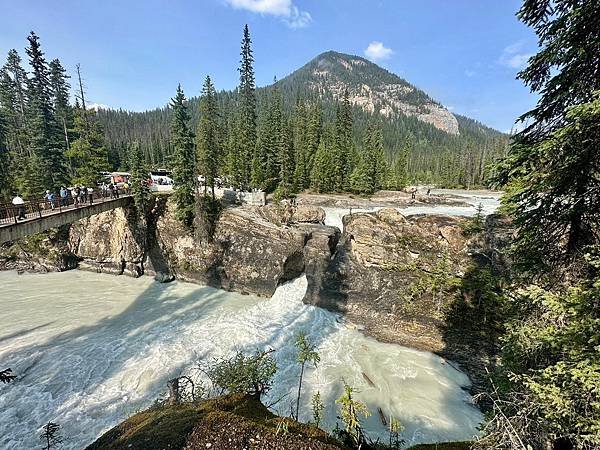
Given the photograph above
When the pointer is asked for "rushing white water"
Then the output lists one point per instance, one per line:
(490, 201)
(91, 349)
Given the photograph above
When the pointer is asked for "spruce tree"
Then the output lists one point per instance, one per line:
(183, 160)
(87, 151)
(300, 143)
(246, 144)
(398, 177)
(60, 95)
(19, 79)
(313, 135)
(46, 168)
(344, 148)
(552, 190)
(139, 178)
(5, 179)
(323, 171)
(207, 137)
(286, 161)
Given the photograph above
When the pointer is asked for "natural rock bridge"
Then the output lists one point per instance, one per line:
(38, 216)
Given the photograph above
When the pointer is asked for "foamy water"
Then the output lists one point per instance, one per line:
(91, 349)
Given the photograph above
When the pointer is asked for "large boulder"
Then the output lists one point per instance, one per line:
(250, 251)
(110, 242)
(393, 275)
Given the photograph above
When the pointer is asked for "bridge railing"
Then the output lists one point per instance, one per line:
(33, 209)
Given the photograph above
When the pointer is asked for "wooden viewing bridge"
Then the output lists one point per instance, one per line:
(32, 217)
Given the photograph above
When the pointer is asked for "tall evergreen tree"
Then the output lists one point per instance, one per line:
(87, 152)
(207, 137)
(19, 79)
(246, 144)
(139, 178)
(553, 190)
(344, 148)
(46, 168)
(183, 160)
(398, 174)
(60, 95)
(5, 180)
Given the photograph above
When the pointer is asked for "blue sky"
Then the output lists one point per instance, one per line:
(463, 53)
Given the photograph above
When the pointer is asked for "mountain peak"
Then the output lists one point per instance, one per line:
(371, 87)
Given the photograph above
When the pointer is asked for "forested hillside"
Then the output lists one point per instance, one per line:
(437, 146)
(340, 123)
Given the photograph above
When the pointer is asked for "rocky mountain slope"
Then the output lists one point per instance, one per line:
(370, 87)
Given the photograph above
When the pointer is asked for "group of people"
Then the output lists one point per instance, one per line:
(112, 190)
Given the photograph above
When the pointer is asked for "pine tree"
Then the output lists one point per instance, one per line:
(184, 161)
(245, 146)
(398, 176)
(207, 138)
(46, 168)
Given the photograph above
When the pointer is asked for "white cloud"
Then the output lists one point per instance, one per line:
(284, 9)
(470, 73)
(378, 52)
(514, 57)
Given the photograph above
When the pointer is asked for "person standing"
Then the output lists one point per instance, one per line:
(63, 196)
(20, 206)
(75, 193)
(51, 199)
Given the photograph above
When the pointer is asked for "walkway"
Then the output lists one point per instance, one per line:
(39, 215)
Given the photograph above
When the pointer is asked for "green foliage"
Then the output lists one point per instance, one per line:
(395, 429)
(476, 224)
(548, 387)
(46, 165)
(139, 178)
(350, 412)
(553, 166)
(244, 374)
(207, 138)
(317, 407)
(550, 192)
(244, 146)
(306, 354)
(184, 161)
(322, 175)
(208, 211)
(87, 153)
